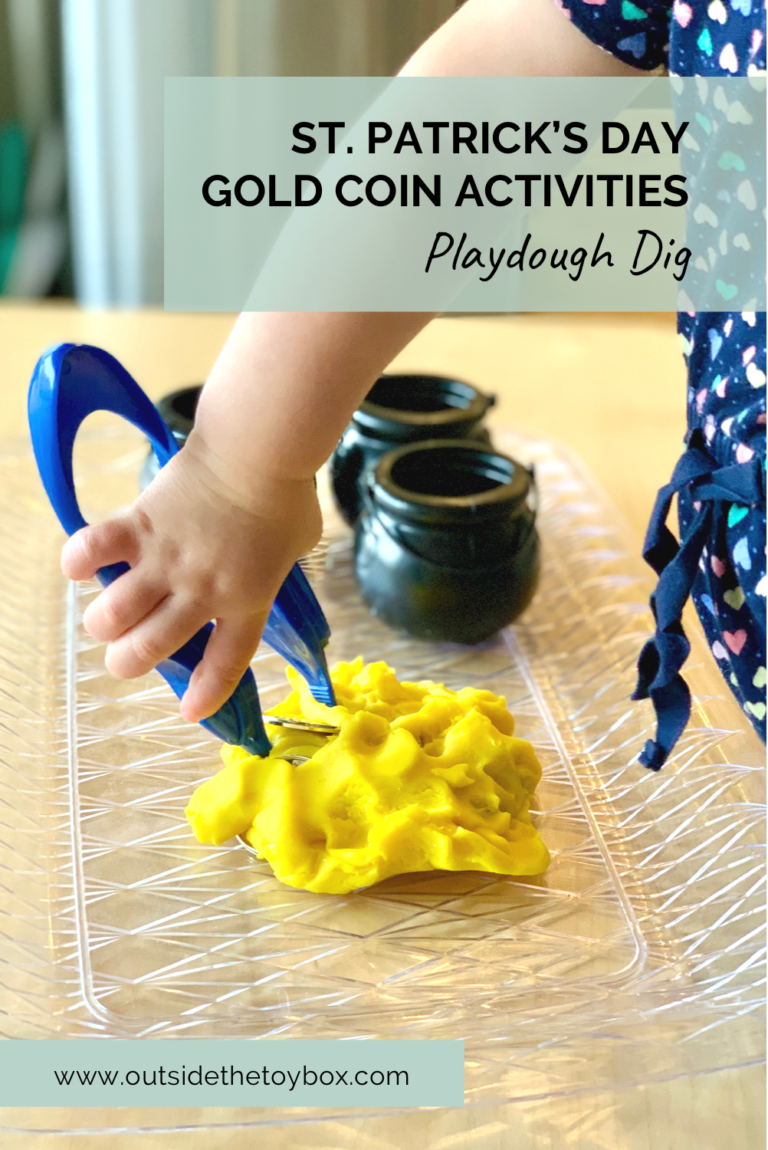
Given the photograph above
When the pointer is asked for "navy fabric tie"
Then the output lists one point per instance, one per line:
(676, 564)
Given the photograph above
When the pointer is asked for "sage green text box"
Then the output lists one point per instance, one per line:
(264, 1072)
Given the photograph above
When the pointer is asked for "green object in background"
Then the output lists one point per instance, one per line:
(13, 182)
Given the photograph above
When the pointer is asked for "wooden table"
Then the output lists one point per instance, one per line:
(613, 388)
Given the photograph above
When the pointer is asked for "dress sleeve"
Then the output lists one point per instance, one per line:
(635, 32)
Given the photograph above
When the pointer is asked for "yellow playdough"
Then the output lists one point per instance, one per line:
(420, 778)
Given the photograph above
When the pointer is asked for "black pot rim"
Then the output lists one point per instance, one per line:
(180, 424)
(394, 422)
(501, 499)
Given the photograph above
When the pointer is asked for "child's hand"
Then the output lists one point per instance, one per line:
(216, 533)
(199, 549)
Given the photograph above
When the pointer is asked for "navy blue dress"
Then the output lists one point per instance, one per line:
(720, 479)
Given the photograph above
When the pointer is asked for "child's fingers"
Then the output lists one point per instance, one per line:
(156, 637)
(122, 605)
(229, 651)
(97, 546)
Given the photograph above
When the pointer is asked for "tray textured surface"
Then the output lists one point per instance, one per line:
(638, 955)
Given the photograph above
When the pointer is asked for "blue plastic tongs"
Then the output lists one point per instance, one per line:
(69, 383)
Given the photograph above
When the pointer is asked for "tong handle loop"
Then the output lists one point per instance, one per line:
(70, 382)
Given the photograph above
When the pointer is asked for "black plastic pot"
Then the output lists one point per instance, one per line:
(178, 410)
(401, 409)
(446, 546)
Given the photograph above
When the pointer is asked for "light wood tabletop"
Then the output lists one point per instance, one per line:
(612, 387)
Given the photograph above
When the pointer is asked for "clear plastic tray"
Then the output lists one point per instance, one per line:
(637, 956)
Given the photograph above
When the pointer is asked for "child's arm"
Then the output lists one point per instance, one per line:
(513, 38)
(217, 531)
